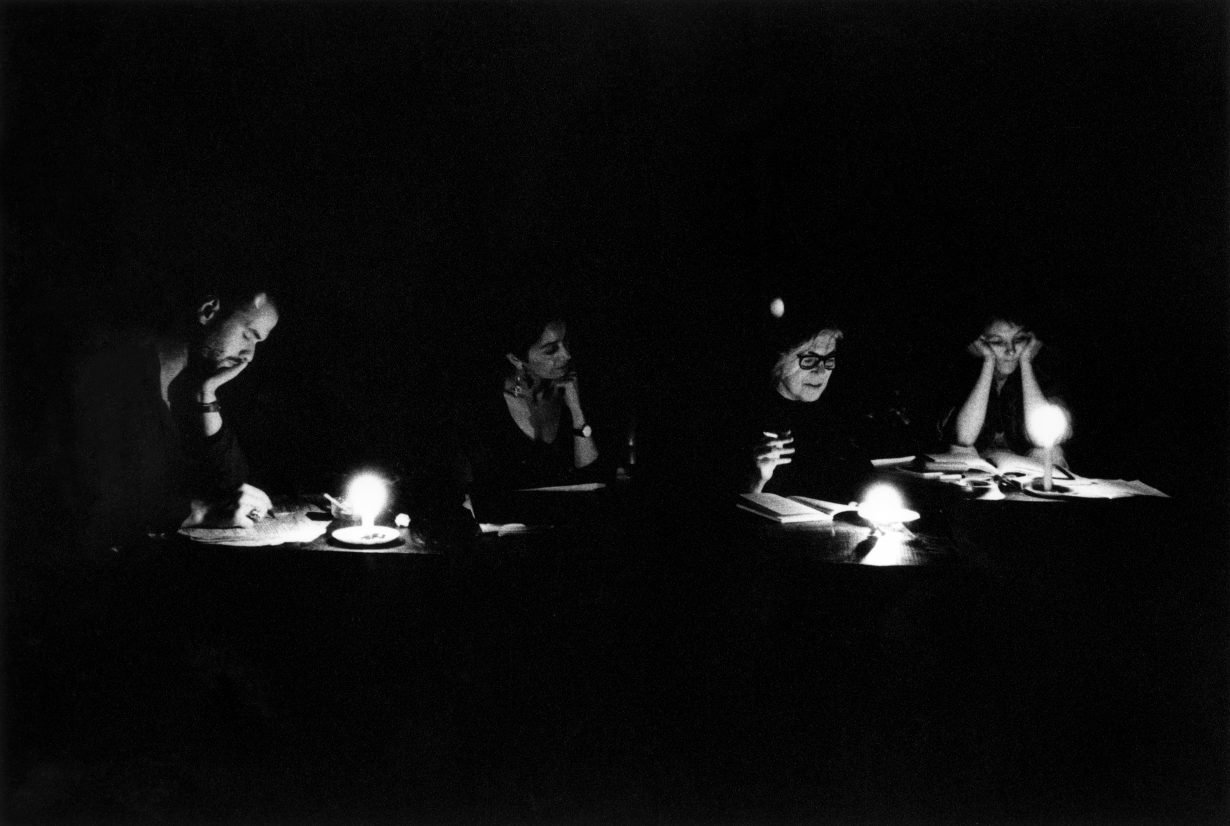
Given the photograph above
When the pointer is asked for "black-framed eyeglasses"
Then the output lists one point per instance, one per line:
(810, 361)
(1019, 341)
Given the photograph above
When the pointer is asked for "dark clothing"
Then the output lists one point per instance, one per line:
(503, 458)
(827, 463)
(1004, 426)
(135, 468)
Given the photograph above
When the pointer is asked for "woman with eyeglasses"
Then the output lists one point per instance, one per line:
(1008, 388)
(803, 446)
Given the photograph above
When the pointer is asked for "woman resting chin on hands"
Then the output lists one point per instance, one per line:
(1005, 394)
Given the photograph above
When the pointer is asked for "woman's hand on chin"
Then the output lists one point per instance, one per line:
(571, 391)
(980, 349)
(1030, 350)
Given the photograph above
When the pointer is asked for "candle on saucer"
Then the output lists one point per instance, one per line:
(367, 495)
(884, 507)
(1047, 426)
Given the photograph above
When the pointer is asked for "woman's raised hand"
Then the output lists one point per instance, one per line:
(1028, 351)
(980, 349)
(773, 450)
(571, 391)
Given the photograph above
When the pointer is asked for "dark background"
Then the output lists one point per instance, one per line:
(669, 167)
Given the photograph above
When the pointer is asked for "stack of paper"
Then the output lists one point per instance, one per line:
(786, 510)
(959, 467)
(292, 526)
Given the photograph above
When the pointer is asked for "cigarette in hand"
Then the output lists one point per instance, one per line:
(340, 508)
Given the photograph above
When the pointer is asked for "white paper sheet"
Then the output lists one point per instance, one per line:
(582, 488)
(293, 526)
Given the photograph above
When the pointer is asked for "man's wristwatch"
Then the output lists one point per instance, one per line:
(209, 407)
(584, 431)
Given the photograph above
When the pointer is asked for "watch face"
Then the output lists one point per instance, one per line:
(584, 431)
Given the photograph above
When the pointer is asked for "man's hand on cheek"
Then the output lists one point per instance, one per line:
(210, 383)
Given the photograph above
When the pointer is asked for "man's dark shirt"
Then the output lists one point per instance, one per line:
(135, 468)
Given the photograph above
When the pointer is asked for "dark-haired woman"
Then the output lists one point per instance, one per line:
(531, 430)
(1006, 392)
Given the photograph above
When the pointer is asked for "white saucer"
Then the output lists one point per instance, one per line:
(366, 534)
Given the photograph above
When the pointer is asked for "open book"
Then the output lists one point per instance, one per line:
(790, 509)
(995, 462)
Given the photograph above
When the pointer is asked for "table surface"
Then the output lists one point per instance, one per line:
(955, 527)
(1009, 658)
(303, 523)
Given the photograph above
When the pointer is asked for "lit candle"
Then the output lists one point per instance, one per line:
(1047, 426)
(882, 506)
(367, 494)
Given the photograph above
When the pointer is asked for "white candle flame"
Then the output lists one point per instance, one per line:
(367, 495)
(1048, 424)
(882, 505)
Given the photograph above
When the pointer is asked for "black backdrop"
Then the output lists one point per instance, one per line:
(404, 167)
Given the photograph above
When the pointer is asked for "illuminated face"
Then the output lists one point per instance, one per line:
(548, 357)
(231, 340)
(803, 372)
(1006, 341)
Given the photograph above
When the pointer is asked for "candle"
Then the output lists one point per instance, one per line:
(367, 495)
(1047, 426)
(882, 506)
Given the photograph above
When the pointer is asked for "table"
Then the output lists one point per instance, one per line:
(696, 665)
(303, 523)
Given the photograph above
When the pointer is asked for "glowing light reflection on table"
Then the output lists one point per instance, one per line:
(890, 549)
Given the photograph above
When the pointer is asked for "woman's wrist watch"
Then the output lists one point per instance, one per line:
(583, 432)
